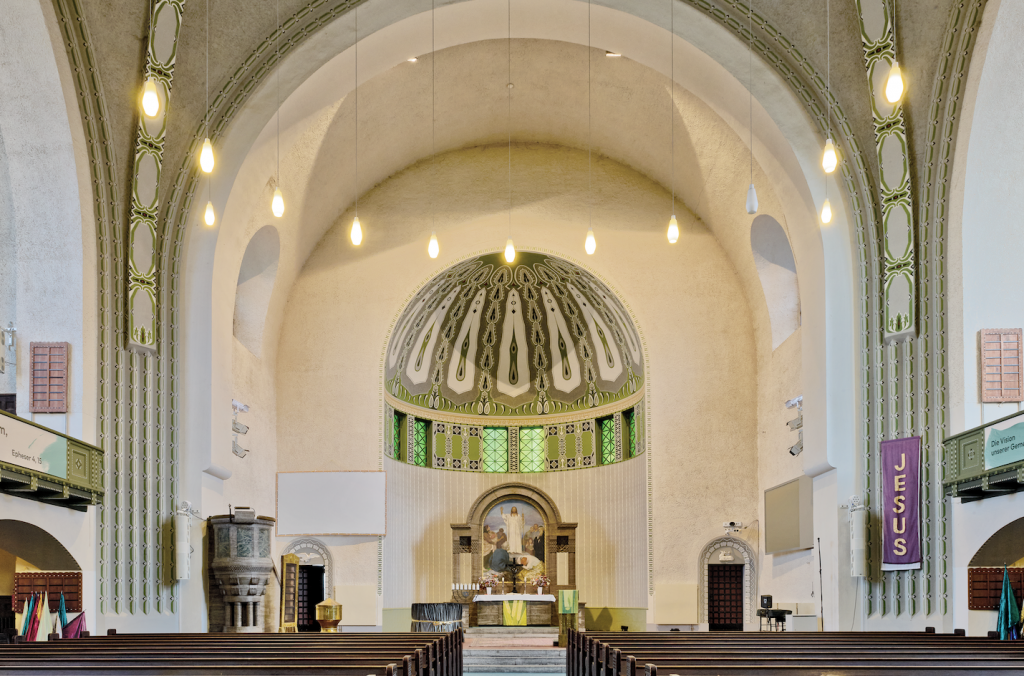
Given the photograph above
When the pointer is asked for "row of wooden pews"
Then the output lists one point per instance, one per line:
(789, 654)
(355, 654)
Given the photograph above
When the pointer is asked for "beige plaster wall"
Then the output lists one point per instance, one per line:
(686, 299)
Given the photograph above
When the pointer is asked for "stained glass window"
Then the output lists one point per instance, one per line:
(496, 449)
(630, 421)
(607, 431)
(419, 445)
(531, 449)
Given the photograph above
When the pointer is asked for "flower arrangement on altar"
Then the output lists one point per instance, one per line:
(488, 582)
(541, 581)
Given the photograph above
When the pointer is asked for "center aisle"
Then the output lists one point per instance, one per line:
(513, 650)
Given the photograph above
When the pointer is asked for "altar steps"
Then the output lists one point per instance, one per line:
(513, 650)
(514, 661)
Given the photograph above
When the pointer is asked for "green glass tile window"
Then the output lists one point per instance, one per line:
(629, 419)
(531, 449)
(607, 430)
(496, 449)
(399, 421)
(419, 444)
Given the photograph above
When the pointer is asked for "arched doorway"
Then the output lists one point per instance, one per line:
(727, 580)
(31, 558)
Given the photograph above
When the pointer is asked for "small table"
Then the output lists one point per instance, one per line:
(489, 608)
(776, 615)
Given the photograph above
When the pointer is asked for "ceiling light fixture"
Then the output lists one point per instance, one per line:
(433, 248)
(829, 160)
(612, 54)
(894, 83)
(206, 155)
(150, 99)
(673, 224)
(510, 248)
(590, 243)
(277, 203)
(412, 59)
(826, 212)
(751, 192)
(356, 234)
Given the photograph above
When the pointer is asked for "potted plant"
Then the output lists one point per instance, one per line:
(541, 581)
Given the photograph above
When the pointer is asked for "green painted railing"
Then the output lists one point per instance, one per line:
(967, 475)
(40, 464)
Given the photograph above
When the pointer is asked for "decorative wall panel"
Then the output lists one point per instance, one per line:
(161, 53)
(899, 285)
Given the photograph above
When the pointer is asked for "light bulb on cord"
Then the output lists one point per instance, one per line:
(206, 157)
(894, 85)
(150, 99)
(751, 200)
(210, 217)
(277, 204)
(829, 161)
(510, 250)
(433, 248)
(591, 243)
(673, 230)
(357, 232)
(826, 212)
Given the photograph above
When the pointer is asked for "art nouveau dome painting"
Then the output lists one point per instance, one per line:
(534, 337)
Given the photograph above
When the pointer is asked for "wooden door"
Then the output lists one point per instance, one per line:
(725, 597)
(311, 592)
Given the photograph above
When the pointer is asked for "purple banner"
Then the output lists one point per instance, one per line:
(901, 504)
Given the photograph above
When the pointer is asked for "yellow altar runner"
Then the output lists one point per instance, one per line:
(513, 613)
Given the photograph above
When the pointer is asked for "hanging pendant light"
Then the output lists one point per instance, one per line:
(150, 98)
(210, 217)
(673, 230)
(433, 248)
(894, 85)
(277, 204)
(510, 250)
(829, 160)
(826, 212)
(591, 244)
(751, 191)
(356, 233)
(206, 157)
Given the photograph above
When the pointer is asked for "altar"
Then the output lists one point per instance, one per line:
(514, 610)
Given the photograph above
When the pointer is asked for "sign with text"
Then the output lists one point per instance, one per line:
(1004, 443)
(33, 448)
(901, 504)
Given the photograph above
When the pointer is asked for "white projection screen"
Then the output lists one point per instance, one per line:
(331, 503)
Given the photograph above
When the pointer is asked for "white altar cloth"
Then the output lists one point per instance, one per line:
(545, 598)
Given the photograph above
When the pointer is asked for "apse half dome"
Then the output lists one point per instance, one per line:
(535, 337)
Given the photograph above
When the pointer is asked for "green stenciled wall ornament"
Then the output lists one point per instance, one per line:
(878, 35)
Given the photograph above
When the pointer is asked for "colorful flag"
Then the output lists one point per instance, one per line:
(1009, 614)
(75, 627)
(26, 614)
(45, 619)
(62, 612)
(33, 624)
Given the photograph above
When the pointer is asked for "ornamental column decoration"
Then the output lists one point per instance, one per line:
(899, 267)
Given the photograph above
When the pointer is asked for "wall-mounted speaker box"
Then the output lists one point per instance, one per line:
(766, 600)
(789, 516)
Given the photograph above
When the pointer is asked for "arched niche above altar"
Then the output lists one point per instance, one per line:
(535, 536)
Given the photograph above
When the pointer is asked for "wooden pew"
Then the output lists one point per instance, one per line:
(621, 654)
(243, 654)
